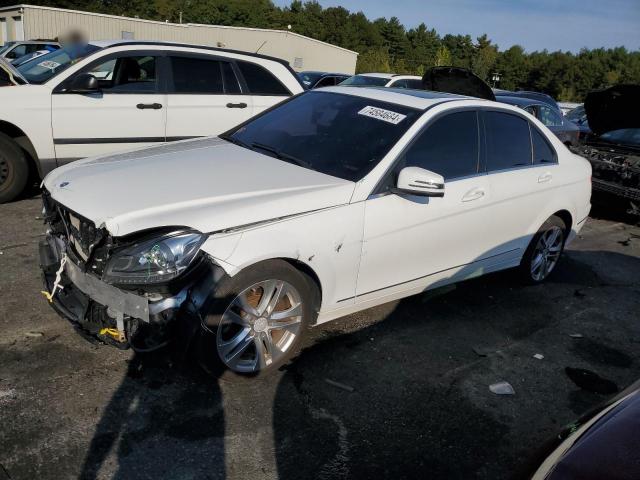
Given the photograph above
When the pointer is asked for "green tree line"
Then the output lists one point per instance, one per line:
(385, 45)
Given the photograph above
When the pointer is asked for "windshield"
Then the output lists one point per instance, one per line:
(340, 135)
(6, 47)
(50, 65)
(309, 78)
(362, 80)
(624, 136)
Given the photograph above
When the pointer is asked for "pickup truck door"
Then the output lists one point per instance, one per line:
(128, 111)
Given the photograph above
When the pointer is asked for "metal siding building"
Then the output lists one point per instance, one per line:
(27, 22)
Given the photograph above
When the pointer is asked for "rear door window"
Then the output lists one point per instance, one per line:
(261, 81)
(196, 75)
(508, 141)
(449, 146)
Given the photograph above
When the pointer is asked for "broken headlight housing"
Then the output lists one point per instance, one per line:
(157, 260)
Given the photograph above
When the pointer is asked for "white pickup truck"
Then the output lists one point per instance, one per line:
(103, 97)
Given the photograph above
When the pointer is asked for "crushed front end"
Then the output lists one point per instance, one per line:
(616, 171)
(118, 297)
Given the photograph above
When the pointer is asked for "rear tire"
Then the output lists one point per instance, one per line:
(256, 322)
(14, 169)
(544, 251)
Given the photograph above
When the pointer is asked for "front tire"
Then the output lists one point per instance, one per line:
(14, 169)
(544, 251)
(257, 320)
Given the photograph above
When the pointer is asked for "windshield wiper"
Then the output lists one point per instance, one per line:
(282, 156)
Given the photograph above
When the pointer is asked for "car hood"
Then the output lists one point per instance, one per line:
(206, 184)
(613, 108)
(456, 80)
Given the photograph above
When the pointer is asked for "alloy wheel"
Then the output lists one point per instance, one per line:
(547, 252)
(259, 326)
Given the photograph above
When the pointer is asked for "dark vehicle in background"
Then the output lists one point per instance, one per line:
(564, 129)
(579, 117)
(603, 444)
(537, 96)
(313, 80)
(613, 147)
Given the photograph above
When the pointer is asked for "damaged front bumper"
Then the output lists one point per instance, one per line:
(101, 311)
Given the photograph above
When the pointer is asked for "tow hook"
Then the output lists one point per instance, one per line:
(117, 335)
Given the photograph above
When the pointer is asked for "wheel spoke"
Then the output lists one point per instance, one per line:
(241, 301)
(232, 317)
(537, 262)
(552, 237)
(271, 293)
(264, 350)
(232, 349)
(294, 311)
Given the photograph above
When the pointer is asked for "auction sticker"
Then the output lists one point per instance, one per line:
(382, 114)
(49, 64)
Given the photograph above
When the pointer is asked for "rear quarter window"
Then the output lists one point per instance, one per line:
(261, 81)
(543, 152)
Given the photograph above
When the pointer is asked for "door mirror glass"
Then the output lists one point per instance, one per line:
(84, 83)
(418, 181)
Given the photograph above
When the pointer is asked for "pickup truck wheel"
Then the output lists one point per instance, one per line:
(14, 169)
(258, 321)
(544, 251)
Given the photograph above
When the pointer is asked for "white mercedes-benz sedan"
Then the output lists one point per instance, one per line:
(332, 202)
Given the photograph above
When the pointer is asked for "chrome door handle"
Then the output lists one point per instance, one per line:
(151, 106)
(473, 194)
(545, 177)
(237, 105)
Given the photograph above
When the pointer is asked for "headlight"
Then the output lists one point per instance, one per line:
(154, 261)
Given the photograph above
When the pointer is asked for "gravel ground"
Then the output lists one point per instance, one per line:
(420, 405)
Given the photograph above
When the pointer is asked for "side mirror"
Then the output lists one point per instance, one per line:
(84, 83)
(418, 181)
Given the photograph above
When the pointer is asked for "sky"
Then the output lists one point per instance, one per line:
(534, 24)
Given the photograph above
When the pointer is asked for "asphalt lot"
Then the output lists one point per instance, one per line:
(420, 405)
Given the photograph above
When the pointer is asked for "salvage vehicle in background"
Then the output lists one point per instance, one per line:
(17, 49)
(537, 96)
(335, 201)
(613, 147)
(104, 97)
(579, 118)
(313, 80)
(28, 57)
(383, 80)
(564, 129)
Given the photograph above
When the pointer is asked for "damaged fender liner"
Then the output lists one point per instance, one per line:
(123, 302)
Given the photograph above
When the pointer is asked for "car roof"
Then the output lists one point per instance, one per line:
(376, 75)
(519, 101)
(420, 99)
(32, 42)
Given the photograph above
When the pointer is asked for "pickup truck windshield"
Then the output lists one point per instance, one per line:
(340, 135)
(50, 65)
